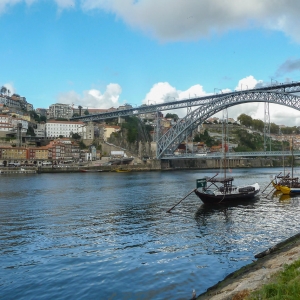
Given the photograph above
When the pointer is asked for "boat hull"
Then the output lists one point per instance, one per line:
(210, 199)
(288, 191)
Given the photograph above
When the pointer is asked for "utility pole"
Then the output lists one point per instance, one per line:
(266, 125)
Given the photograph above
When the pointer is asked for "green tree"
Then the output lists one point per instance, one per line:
(131, 127)
(245, 120)
(274, 128)
(258, 125)
(172, 116)
(30, 131)
(86, 112)
(43, 119)
(76, 136)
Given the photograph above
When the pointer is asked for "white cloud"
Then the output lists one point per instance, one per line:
(171, 20)
(163, 92)
(93, 98)
(178, 20)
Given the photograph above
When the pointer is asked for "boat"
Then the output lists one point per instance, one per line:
(221, 190)
(291, 185)
(123, 170)
(216, 190)
(90, 171)
(280, 180)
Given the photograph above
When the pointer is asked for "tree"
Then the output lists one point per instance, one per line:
(3, 90)
(76, 136)
(258, 125)
(86, 112)
(43, 119)
(245, 120)
(172, 116)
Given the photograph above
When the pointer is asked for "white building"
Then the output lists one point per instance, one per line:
(64, 128)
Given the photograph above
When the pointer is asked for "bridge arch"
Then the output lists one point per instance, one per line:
(170, 141)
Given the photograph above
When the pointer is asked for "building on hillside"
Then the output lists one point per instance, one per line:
(21, 100)
(38, 153)
(16, 121)
(64, 128)
(56, 151)
(107, 130)
(29, 107)
(88, 132)
(68, 148)
(59, 111)
(40, 130)
(9, 102)
(13, 153)
(80, 111)
(41, 112)
(75, 151)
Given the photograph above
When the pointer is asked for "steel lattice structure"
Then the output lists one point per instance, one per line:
(170, 141)
(293, 87)
(283, 94)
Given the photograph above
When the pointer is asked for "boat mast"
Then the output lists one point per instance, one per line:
(224, 139)
(292, 158)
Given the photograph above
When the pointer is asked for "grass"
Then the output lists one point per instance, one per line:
(284, 285)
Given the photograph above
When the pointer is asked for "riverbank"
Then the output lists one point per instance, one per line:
(239, 284)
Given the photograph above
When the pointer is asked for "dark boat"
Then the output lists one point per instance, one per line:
(221, 190)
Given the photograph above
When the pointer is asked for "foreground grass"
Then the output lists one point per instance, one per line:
(284, 285)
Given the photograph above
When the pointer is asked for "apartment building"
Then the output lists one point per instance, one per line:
(59, 110)
(64, 128)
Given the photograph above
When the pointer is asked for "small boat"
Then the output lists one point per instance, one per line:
(221, 190)
(290, 185)
(122, 170)
(280, 180)
(90, 171)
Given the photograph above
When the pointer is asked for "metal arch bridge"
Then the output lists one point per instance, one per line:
(284, 94)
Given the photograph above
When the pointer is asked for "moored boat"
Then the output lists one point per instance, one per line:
(122, 170)
(216, 190)
(221, 190)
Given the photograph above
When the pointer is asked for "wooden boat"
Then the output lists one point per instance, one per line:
(291, 185)
(221, 190)
(123, 170)
(280, 180)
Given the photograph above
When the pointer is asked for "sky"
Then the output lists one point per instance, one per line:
(105, 53)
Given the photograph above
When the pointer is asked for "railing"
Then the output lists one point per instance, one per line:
(231, 154)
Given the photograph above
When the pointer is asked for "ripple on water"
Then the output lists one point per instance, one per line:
(109, 236)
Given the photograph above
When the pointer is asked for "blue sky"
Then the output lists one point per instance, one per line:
(104, 53)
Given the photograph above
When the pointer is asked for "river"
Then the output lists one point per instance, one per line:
(108, 236)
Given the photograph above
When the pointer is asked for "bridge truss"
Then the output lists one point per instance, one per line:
(283, 94)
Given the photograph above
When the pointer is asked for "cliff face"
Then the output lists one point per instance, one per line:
(139, 148)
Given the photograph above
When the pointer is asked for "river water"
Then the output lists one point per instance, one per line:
(108, 236)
